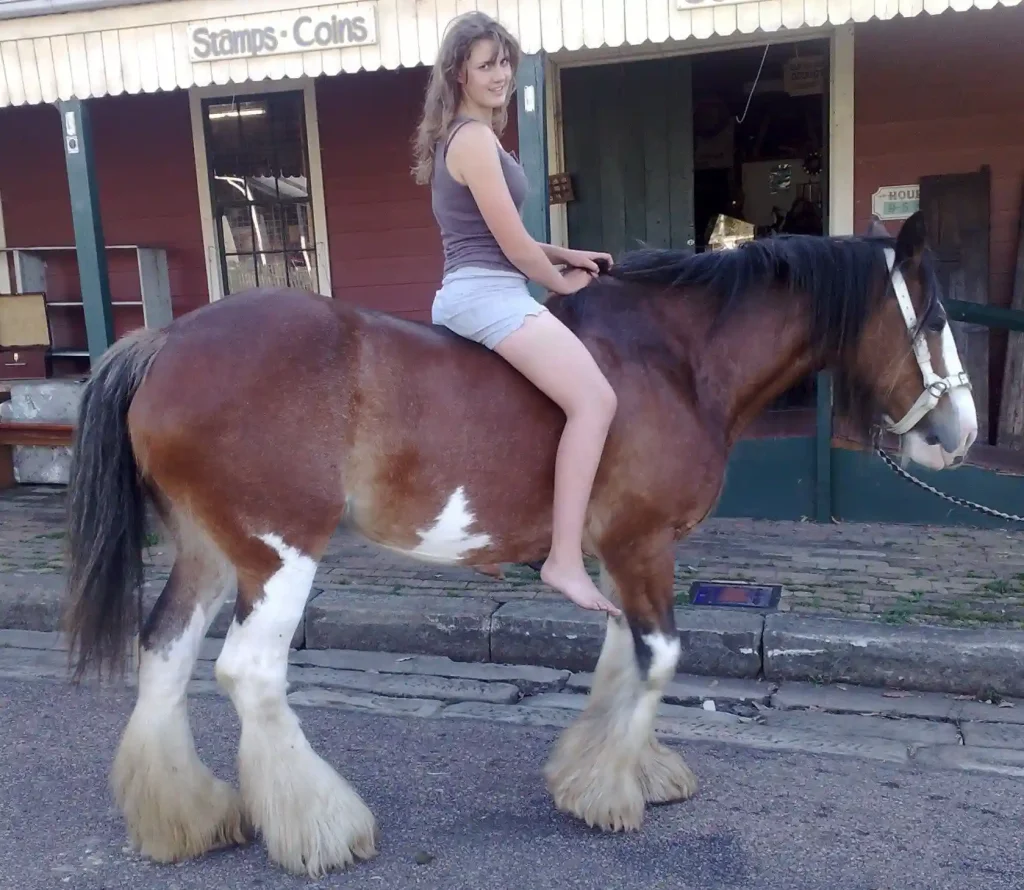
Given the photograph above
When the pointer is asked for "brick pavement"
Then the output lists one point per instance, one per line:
(893, 573)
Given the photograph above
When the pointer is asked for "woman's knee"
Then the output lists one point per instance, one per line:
(605, 397)
(596, 400)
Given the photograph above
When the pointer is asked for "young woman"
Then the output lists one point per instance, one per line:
(477, 194)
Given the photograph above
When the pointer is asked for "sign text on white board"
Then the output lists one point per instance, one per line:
(276, 33)
(896, 201)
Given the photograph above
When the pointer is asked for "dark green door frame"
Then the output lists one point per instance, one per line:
(90, 246)
(531, 104)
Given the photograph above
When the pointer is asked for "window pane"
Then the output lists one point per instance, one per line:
(258, 164)
(302, 270)
(291, 269)
(236, 230)
(241, 272)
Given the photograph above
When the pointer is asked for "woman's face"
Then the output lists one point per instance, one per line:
(487, 75)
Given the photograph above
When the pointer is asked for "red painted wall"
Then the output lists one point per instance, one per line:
(146, 174)
(945, 94)
(385, 247)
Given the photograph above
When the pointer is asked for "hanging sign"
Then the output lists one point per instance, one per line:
(804, 75)
(277, 33)
(896, 201)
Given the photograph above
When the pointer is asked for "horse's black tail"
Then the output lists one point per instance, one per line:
(106, 509)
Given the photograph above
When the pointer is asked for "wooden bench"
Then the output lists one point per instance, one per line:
(16, 433)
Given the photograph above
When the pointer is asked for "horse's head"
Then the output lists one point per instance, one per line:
(908, 359)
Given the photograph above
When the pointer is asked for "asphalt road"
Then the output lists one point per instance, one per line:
(469, 794)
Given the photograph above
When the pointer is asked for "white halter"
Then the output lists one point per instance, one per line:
(935, 387)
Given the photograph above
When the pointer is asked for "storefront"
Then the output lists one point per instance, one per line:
(274, 146)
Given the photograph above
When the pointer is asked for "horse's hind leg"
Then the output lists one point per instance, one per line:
(608, 764)
(173, 806)
(311, 819)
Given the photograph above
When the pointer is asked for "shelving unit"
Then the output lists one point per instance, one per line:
(154, 284)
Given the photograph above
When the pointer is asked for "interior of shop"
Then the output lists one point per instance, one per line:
(760, 148)
(759, 121)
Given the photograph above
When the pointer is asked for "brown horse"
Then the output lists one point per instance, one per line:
(256, 423)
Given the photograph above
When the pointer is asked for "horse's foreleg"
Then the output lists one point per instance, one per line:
(607, 764)
(311, 819)
(174, 807)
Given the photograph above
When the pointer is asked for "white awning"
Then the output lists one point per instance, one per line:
(184, 43)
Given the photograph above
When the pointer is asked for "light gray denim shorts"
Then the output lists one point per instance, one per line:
(484, 305)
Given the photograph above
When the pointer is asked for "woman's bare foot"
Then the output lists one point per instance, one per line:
(576, 585)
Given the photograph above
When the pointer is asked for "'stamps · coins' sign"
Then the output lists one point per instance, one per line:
(278, 33)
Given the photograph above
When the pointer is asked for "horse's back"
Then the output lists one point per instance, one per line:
(335, 399)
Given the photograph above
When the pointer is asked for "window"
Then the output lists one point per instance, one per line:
(258, 164)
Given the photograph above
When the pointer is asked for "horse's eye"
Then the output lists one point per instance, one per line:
(936, 323)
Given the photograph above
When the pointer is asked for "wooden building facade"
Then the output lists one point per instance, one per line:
(274, 145)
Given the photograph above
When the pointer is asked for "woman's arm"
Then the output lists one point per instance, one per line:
(578, 259)
(473, 158)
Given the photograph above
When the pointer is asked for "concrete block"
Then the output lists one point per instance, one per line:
(315, 697)
(31, 600)
(457, 627)
(719, 643)
(935, 659)
(553, 634)
(399, 686)
(529, 679)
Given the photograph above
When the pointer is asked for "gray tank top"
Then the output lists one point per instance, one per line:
(465, 237)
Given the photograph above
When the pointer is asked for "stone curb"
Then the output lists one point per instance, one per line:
(555, 635)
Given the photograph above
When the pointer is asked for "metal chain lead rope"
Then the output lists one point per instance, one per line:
(946, 497)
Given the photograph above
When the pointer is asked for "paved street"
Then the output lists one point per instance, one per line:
(792, 797)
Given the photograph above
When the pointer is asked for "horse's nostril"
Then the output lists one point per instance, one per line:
(932, 439)
(957, 461)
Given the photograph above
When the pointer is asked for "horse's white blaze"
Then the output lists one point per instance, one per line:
(665, 651)
(449, 538)
(311, 818)
(173, 806)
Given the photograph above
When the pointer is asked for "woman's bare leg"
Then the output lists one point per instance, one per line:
(548, 354)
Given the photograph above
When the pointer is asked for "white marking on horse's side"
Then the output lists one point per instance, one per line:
(311, 818)
(449, 539)
(665, 651)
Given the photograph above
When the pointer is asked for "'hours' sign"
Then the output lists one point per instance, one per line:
(275, 33)
(896, 201)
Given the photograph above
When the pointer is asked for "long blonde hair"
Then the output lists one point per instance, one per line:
(444, 92)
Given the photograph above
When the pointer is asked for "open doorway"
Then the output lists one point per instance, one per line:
(655, 150)
(760, 148)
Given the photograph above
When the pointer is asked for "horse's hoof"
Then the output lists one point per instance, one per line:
(591, 780)
(664, 775)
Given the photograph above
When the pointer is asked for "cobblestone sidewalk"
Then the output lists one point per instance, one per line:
(892, 573)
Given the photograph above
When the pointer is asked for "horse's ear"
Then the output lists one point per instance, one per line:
(876, 229)
(912, 239)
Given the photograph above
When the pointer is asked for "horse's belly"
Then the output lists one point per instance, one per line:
(453, 524)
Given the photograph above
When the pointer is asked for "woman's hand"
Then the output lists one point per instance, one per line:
(576, 279)
(586, 259)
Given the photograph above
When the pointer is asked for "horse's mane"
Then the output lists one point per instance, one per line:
(843, 276)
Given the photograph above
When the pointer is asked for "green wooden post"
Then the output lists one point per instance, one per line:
(85, 215)
(823, 448)
(533, 149)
